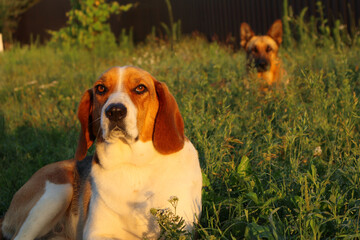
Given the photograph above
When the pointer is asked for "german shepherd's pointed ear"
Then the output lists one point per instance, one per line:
(276, 31)
(86, 138)
(246, 33)
(168, 135)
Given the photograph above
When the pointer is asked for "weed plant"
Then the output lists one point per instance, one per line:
(280, 165)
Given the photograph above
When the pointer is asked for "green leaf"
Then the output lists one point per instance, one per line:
(205, 180)
(253, 196)
(243, 167)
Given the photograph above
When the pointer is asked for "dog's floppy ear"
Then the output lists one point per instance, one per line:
(86, 138)
(246, 33)
(276, 31)
(168, 136)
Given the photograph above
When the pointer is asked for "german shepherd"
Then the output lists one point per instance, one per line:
(262, 53)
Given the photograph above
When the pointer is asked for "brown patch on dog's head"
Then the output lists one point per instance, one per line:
(158, 115)
(140, 86)
(89, 111)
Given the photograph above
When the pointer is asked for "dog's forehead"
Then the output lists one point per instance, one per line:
(125, 76)
(134, 75)
(111, 76)
(262, 41)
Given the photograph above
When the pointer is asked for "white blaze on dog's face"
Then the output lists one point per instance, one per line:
(127, 104)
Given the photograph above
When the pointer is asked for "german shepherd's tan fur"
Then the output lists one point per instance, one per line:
(262, 53)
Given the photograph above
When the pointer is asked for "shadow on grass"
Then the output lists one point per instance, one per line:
(25, 150)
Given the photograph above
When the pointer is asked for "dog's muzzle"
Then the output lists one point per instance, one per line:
(262, 65)
(119, 119)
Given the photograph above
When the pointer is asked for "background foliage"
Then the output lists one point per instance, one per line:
(281, 165)
(10, 13)
(87, 23)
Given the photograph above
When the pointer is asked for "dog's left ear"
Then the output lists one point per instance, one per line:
(168, 136)
(246, 33)
(86, 138)
(276, 31)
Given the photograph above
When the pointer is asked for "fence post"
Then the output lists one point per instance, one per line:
(1, 44)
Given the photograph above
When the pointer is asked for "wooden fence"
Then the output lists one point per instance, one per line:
(219, 18)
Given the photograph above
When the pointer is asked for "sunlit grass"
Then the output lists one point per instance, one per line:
(265, 176)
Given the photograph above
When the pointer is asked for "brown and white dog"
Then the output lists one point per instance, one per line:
(262, 53)
(142, 159)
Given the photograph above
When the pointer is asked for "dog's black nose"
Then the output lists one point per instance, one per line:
(115, 111)
(262, 64)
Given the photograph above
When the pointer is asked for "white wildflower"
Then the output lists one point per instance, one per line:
(317, 151)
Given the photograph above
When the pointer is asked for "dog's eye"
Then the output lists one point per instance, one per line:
(140, 89)
(268, 49)
(100, 89)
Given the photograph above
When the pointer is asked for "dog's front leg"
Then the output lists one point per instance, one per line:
(103, 223)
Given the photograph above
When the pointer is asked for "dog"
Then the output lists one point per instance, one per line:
(262, 53)
(142, 159)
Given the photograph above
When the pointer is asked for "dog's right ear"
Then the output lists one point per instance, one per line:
(86, 138)
(246, 33)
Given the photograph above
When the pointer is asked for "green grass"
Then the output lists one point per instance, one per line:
(262, 176)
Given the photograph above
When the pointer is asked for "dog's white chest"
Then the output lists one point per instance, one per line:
(123, 196)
